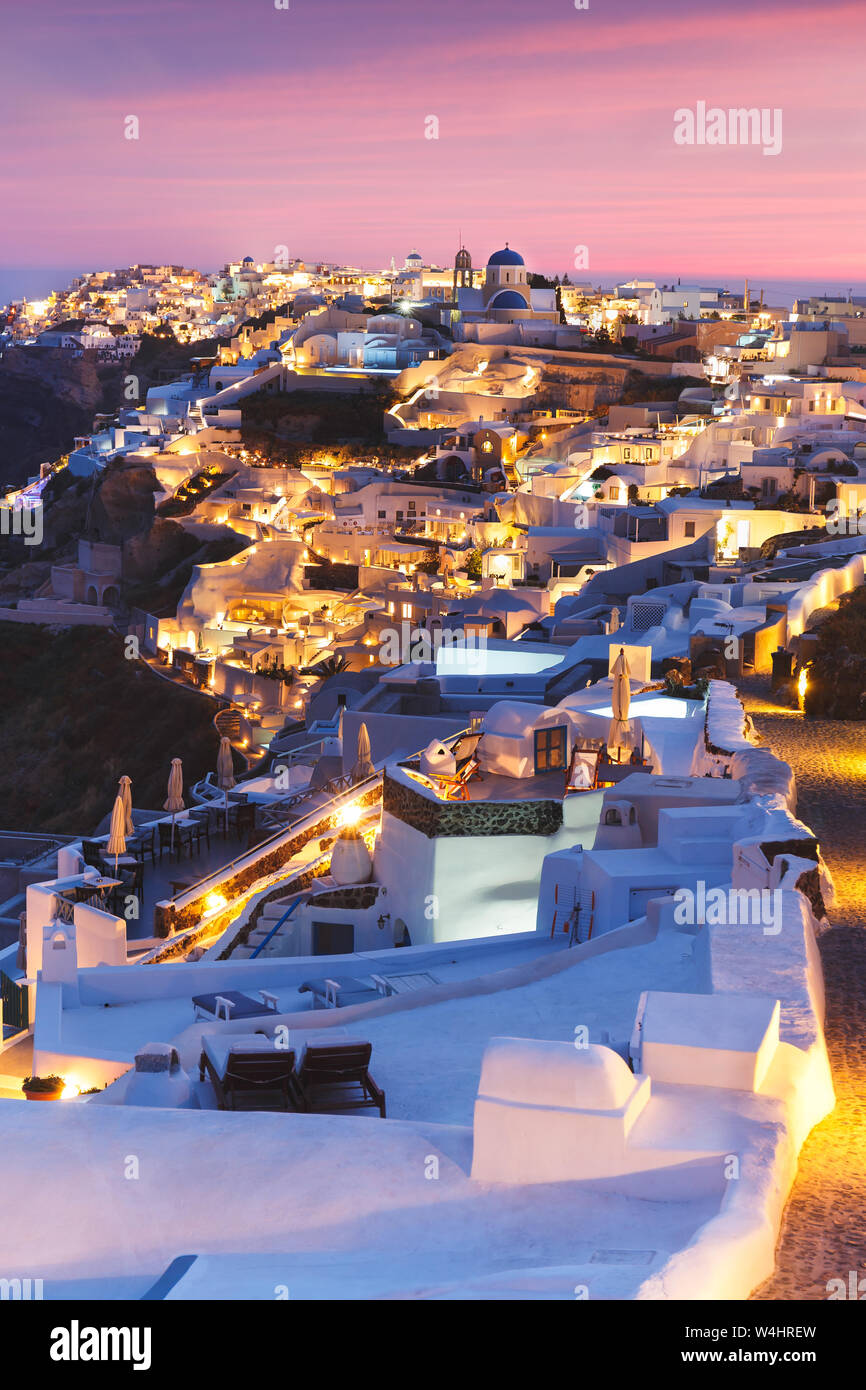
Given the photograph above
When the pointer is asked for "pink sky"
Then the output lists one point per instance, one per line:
(306, 128)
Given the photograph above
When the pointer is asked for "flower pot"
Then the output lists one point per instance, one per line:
(44, 1095)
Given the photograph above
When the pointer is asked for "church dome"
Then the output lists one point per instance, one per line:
(508, 299)
(506, 257)
(413, 256)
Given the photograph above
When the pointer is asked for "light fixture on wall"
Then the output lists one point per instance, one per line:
(382, 920)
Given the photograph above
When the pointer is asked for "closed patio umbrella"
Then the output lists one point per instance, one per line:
(125, 785)
(174, 800)
(225, 773)
(117, 833)
(364, 764)
(619, 736)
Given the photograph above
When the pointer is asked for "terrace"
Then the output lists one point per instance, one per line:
(615, 1183)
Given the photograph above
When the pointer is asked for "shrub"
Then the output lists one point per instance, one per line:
(836, 687)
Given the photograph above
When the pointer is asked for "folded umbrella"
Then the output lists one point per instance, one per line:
(174, 800)
(117, 833)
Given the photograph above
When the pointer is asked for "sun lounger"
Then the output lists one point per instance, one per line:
(338, 991)
(455, 788)
(403, 984)
(246, 1064)
(233, 1003)
(336, 1076)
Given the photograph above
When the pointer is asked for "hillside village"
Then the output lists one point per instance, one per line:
(467, 578)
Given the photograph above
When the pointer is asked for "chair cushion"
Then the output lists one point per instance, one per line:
(244, 1006)
(218, 1048)
(348, 985)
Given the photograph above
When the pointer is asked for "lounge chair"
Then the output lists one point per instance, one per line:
(233, 1003)
(336, 1076)
(455, 788)
(246, 1064)
(403, 984)
(338, 991)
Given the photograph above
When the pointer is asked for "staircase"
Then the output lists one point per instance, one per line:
(228, 724)
(512, 477)
(267, 928)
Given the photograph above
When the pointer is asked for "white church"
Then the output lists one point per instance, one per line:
(505, 296)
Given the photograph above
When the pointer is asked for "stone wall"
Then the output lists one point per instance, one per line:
(357, 895)
(437, 819)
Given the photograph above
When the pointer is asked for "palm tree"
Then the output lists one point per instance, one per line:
(326, 668)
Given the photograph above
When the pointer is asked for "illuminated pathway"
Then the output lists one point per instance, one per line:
(824, 1230)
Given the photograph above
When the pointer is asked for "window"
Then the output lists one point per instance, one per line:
(407, 610)
(689, 530)
(381, 516)
(550, 746)
(626, 453)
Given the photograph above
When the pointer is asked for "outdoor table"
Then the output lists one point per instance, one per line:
(185, 829)
(95, 887)
(124, 861)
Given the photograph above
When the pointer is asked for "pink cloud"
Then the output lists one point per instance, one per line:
(552, 134)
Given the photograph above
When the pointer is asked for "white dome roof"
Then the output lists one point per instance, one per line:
(556, 1074)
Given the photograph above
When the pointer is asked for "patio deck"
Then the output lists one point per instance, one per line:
(545, 786)
(158, 877)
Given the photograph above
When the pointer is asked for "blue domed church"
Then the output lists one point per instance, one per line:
(506, 283)
(506, 295)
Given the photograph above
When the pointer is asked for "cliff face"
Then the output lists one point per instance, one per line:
(122, 503)
(46, 399)
(75, 715)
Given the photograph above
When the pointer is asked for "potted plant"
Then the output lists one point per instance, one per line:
(43, 1087)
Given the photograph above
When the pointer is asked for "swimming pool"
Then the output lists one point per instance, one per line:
(513, 659)
(656, 707)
